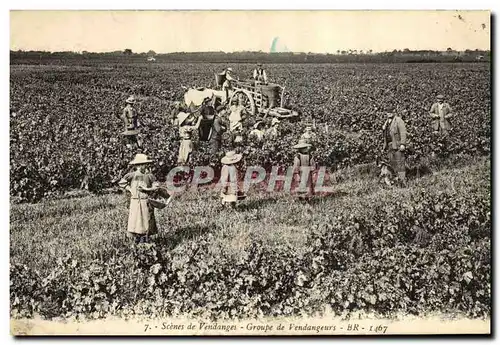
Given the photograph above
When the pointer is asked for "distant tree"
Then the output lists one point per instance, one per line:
(338, 51)
(406, 50)
(151, 53)
(127, 51)
(449, 50)
(370, 51)
(343, 52)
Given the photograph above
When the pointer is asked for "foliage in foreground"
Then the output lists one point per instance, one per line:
(414, 250)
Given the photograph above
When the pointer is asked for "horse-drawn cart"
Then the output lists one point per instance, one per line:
(259, 99)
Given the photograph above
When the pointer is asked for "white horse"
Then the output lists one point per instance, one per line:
(196, 96)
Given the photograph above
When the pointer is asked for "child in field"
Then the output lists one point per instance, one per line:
(230, 176)
(304, 160)
(140, 183)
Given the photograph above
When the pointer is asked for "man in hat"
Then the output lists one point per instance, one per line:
(228, 82)
(207, 113)
(394, 136)
(441, 113)
(259, 74)
(219, 126)
(131, 121)
(140, 184)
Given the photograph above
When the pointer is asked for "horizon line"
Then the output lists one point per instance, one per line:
(247, 51)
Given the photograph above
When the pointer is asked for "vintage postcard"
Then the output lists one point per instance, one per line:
(250, 172)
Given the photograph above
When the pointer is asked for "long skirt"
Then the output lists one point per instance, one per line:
(141, 218)
(185, 150)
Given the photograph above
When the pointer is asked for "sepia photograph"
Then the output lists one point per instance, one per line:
(257, 173)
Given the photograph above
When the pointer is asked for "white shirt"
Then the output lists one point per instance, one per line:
(235, 117)
(256, 73)
(440, 107)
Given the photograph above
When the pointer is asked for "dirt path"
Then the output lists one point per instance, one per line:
(289, 326)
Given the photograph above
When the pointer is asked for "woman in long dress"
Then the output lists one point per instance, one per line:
(231, 192)
(140, 183)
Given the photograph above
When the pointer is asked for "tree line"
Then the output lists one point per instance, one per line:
(342, 56)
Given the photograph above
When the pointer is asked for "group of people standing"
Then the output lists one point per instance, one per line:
(211, 120)
(395, 139)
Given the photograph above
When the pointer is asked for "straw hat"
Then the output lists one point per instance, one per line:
(440, 97)
(231, 157)
(229, 69)
(275, 121)
(302, 144)
(130, 100)
(140, 158)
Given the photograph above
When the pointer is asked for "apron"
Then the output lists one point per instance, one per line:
(141, 218)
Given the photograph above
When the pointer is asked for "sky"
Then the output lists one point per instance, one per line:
(297, 31)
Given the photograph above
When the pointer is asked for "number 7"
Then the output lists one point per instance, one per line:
(147, 327)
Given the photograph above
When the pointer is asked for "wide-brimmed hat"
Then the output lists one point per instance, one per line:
(231, 157)
(130, 100)
(229, 69)
(140, 158)
(302, 144)
(275, 121)
(440, 97)
(220, 108)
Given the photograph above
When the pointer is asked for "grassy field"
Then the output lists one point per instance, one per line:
(51, 237)
(88, 227)
(365, 248)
